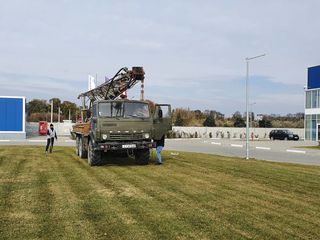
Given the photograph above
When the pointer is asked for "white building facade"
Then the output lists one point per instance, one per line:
(312, 105)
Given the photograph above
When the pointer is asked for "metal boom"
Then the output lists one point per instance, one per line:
(123, 80)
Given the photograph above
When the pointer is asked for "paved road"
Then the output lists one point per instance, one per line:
(278, 151)
(62, 141)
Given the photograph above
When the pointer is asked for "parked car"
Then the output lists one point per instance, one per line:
(283, 135)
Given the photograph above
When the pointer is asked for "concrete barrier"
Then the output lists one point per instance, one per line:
(228, 132)
(62, 129)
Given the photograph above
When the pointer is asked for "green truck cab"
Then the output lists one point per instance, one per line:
(121, 126)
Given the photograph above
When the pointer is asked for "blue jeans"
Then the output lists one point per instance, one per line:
(159, 149)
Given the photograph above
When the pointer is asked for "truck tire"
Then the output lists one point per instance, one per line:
(142, 156)
(82, 150)
(94, 156)
(77, 145)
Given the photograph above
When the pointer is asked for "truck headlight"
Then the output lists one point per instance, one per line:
(146, 135)
(104, 136)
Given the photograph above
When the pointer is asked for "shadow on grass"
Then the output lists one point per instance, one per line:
(122, 159)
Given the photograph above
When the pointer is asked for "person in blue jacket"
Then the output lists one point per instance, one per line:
(159, 147)
(51, 135)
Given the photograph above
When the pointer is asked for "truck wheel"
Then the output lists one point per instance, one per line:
(77, 145)
(82, 150)
(94, 156)
(142, 156)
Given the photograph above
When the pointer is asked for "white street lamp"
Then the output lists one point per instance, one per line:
(51, 100)
(251, 113)
(247, 104)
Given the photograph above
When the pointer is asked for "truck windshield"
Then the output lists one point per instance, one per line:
(124, 109)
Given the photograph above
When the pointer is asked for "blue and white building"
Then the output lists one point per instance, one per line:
(12, 118)
(312, 104)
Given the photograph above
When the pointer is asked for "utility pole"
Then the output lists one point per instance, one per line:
(251, 114)
(51, 110)
(59, 114)
(142, 91)
(247, 104)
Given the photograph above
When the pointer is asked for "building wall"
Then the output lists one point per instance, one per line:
(62, 129)
(312, 104)
(12, 117)
(229, 132)
(312, 122)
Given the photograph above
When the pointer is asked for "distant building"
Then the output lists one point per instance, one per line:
(312, 104)
(259, 117)
(12, 118)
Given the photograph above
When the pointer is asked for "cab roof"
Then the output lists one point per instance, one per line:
(121, 100)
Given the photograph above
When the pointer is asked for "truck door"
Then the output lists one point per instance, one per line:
(93, 122)
(161, 120)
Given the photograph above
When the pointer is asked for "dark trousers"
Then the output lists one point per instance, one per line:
(50, 142)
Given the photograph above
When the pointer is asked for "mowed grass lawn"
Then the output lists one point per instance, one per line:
(191, 196)
(311, 147)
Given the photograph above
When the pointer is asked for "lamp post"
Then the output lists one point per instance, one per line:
(59, 111)
(251, 114)
(247, 104)
(51, 110)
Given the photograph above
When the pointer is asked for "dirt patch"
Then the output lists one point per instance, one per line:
(21, 215)
(133, 192)
(106, 192)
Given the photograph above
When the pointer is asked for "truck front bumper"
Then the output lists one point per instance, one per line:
(114, 146)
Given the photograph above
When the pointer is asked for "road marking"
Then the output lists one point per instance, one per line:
(215, 143)
(36, 140)
(5, 140)
(296, 151)
(263, 148)
(236, 145)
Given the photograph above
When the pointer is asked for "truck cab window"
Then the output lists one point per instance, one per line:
(105, 110)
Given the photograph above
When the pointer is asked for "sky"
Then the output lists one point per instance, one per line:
(193, 52)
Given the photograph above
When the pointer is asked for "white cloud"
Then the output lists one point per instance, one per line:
(184, 43)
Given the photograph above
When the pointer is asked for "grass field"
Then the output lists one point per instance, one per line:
(311, 147)
(191, 196)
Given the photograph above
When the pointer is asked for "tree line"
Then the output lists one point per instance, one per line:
(40, 110)
(212, 118)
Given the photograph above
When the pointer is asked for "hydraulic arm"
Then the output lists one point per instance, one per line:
(123, 80)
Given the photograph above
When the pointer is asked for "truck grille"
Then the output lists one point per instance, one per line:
(126, 136)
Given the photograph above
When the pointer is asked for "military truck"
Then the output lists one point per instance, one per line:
(112, 123)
